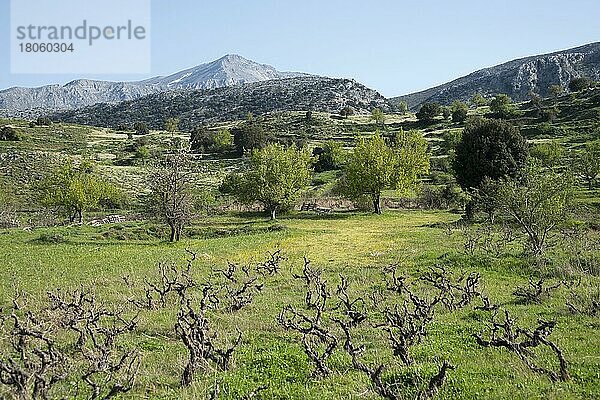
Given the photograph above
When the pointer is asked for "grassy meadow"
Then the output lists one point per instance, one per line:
(358, 245)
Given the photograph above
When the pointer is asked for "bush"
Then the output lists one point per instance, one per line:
(43, 121)
(579, 84)
(8, 133)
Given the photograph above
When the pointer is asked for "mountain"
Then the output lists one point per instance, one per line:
(194, 107)
(226, 71)
(515, 78)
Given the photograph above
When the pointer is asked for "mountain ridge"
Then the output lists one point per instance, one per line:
(515, 78)
(229, 70)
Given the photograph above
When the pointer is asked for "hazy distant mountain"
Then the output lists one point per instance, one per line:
(226, 71)
(516, 78)
(194, 107)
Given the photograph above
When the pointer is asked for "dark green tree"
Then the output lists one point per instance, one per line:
(141, 128)
(249, 136)
(579, 84)
(459, 111)
(429, 111)
(502, 106)
(488, 148)
(330, 156)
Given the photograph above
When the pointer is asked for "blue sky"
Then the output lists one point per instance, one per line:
(395, 47)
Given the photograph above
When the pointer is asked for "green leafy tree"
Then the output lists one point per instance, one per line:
(74, 189)
(222, 140)
(549, 154)
(171, 196)
(540, 202)
(276, 177)
(375, 166)
(556, 90)
(587, 163)
(378, 116)
(579, 84)
(249, 136)
(402, 107)
(330, 156)
(488, 148)
(502, 106)
(459, 111)
(446, 112)
(429, 111)
(172, 125)
(478, 100)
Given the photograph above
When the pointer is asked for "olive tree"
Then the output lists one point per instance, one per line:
(378, 116)
(587, 163)
(276, 176)
(171, 196)
(75, 188)
(375, 165)
(502, 106)
(428, 112)
(540, 202)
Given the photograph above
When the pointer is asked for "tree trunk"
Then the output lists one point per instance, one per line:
(377, 203)
(469, 210)
(273, 216)
(172, 237)
(80, 216)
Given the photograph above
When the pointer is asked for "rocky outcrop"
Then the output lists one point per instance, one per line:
(516, 78)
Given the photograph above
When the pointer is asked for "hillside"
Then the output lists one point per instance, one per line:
(230, 103)
(229, 70)
(515, 78)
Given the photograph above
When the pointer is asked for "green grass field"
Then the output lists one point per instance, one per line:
(357, 245)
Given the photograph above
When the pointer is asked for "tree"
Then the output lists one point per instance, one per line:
(375, 166)
(587, 163)
(330, 156)
(502, 106)
(76, 188)
(346, 112)
(204, 139)
(459, 111)
(249, 136)
(446, 112)
(222, 140)
(171, 196)
(429, 111)
(275, 178)
(402, 107)
(488, 148)
(540, 202)
(478, 100)
(378, 116)
(549, 154)
(556, 90)
(141, 128)
(579, 84)
(172, 125)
